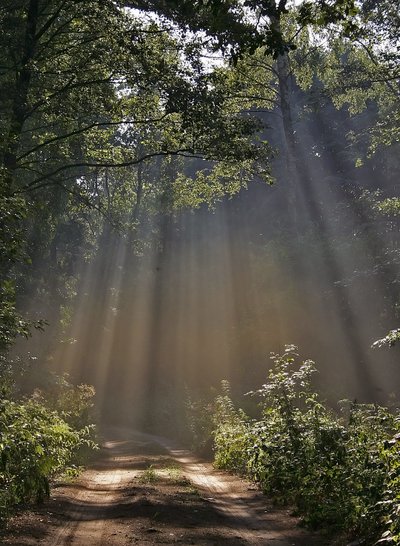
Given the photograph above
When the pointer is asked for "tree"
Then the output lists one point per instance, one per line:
(92, 94)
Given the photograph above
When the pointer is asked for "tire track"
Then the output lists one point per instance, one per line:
(108, 506)
(245, 510)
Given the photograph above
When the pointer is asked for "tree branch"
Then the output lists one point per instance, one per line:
(49, 22)
(87, 128)
(43, 180)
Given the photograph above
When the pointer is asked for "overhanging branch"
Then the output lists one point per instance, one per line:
(44, 180)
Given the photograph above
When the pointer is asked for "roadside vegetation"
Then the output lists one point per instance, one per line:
(42, 436)
(339, 468)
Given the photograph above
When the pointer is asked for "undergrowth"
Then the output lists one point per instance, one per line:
(41, 436)
(340, 470)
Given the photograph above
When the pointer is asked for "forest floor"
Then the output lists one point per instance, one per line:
(142, 490)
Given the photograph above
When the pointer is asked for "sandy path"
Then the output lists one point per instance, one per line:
(246, 509)
(109, 505)
(91, 505)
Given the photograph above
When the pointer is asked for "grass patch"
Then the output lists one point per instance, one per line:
(168, 473)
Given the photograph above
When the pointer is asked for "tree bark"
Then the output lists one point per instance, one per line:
(21, 91)
(292, 170)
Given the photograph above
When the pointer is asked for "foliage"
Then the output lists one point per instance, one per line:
(389, 206)
(390, 339)
(74, 404)
(96, 102)
(42, 435)
(35, 445)
(12, 213)
(234, 432)
(339, 470)
(363, 69)
(199, 421)
(389, 507)
(235, 27)
(149, 475)
(129, 91)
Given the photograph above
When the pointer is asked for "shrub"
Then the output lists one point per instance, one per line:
(74, 403)
(231, 433)
(199, 419)
(340, 470)
(35, 445)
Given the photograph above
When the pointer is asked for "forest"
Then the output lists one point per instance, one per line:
(199, 235)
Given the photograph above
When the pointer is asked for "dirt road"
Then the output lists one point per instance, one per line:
(146, 491)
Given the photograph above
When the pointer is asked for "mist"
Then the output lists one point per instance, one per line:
(215, 290)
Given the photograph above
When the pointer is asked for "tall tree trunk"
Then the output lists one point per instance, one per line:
(21, 91)
(285, 90)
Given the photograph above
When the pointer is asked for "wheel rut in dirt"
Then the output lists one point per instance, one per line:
(146, 490)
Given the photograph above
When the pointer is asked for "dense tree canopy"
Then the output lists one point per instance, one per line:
(89, 88)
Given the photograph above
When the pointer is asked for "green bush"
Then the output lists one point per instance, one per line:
(231, 436)
(339, 469)
(199, 419)
(387, 510)
(74, 403)
(35, 445)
